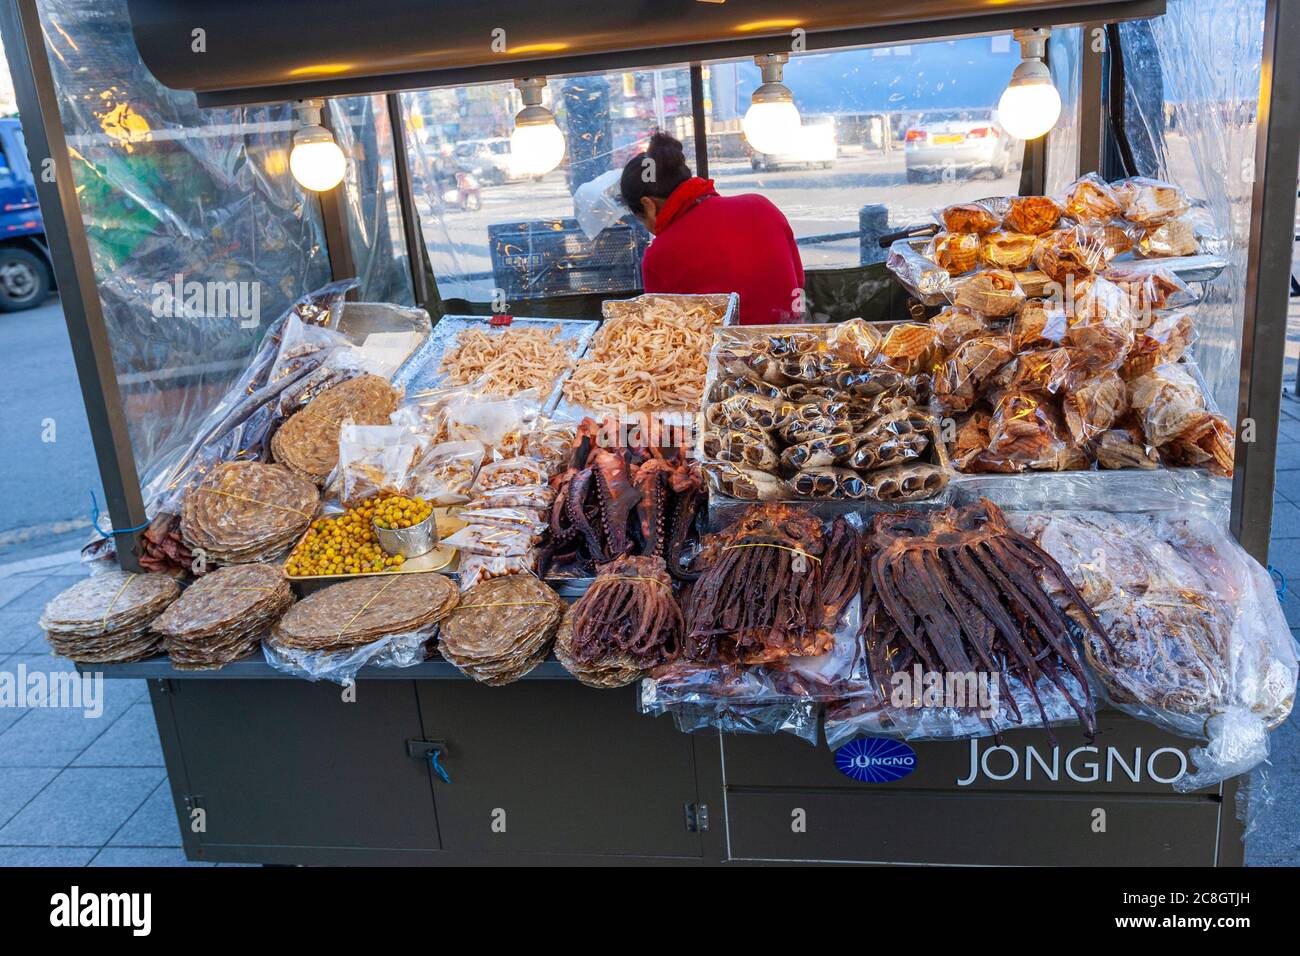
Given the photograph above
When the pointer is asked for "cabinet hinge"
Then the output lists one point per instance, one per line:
(697, 817)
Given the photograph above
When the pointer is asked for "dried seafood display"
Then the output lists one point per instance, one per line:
(960, 592)
(1195, 637)
(613, 500)
(308, 443)
(244, 512)
(502, 628)
(822, 412)
(223, 616)
(650, 354)
(1096, 379)
(507, 361)
(626, 622)
(105, 619)
(363, 610)
(760, 597)
(609, 671)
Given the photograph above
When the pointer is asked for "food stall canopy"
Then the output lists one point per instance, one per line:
(258, 52)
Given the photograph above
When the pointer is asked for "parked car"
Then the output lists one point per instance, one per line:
(26, 272)
(488, 160)
(815, 148)
(965, 141)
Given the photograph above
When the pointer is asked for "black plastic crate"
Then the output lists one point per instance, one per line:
(554, 257)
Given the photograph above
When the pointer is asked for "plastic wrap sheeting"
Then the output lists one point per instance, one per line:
(1193, 77)
(362, 129)
(168, 189)
(1065, 53)
(1202, 648)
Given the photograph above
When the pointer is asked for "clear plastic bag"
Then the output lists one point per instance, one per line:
(727, 698)
(993, 292)
(342, 667)
(491, 541)
(445, 474)
(373, 460)
(477, 568)
(1202, 648)
(510, 473)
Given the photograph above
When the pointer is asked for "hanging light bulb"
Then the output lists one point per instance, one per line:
(536, 145)
(1030, 105)
(316, 160)
(772, 123)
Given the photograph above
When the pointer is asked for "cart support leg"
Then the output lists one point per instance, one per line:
(1268, 273)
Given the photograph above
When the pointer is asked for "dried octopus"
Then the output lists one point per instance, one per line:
(612, 501)
(959, 591)
(761, 596)
(629, 614)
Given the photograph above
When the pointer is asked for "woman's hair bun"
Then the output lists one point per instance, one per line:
(668, 170)
(668, 155)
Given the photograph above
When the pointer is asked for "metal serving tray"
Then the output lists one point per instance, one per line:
(421, 370)
(566, 409)
(723, 509)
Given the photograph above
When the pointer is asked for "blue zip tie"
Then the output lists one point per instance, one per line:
(94, 521)
(1277, 575)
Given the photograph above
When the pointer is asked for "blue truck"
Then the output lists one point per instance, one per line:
(26, 273)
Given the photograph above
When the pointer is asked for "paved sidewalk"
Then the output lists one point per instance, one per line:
(93, 792)
(76, 790)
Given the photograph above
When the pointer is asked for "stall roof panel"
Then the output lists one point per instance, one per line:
(244, 51)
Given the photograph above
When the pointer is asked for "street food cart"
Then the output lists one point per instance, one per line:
(418, 764)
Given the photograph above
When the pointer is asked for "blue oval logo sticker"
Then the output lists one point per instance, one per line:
(875, 760)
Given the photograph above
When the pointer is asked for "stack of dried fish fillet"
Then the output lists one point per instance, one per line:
(222, 616)
(502, 628)
(364, 610)
(308, 443)
(105, 619)
(245, 511)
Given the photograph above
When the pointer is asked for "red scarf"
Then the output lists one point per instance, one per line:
(682, 199)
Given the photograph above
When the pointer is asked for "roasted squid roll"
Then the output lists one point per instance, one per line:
(1149, 201)
(829, 482)
(904, 440)
(751, 448)
(728, 385)
(913, 481)
(748, 484)
(745, 411)
(827, 450)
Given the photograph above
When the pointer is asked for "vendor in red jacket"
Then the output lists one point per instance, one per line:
(710, 243)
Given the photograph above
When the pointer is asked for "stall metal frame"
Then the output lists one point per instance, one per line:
(708, 813)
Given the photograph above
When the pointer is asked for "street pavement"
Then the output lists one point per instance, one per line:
(49, 468)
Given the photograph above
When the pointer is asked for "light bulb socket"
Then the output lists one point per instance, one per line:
(530, 91)
(1033, 43)
(773, 66)
(309, 111)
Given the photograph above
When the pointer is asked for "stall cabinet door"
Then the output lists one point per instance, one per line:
(550, 766)
(286, 763)
(1022, 801)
